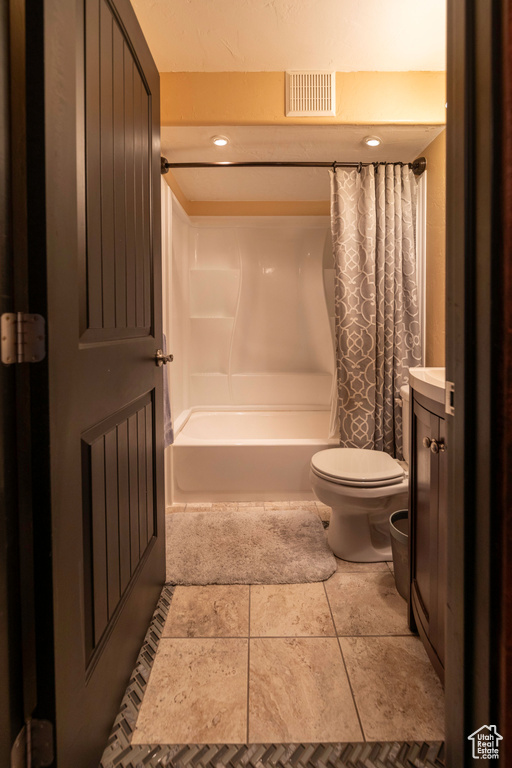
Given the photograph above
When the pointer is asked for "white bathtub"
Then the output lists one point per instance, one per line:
(247, 455)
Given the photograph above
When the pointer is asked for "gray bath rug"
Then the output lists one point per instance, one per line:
(242, 547)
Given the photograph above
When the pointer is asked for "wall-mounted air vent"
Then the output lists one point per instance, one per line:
(310, 94)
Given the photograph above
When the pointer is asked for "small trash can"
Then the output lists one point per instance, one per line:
(399, 530)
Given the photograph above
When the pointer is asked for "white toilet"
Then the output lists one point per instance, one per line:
(363, 488)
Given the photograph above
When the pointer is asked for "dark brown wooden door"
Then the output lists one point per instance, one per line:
(105, 390)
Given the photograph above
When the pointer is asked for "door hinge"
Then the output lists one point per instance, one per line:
(23, 338)
(449, 398)
(33, 747)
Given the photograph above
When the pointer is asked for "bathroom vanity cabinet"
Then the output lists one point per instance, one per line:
(427, 539)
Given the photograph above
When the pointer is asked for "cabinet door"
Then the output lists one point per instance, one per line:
(442, 553)
(424, 506)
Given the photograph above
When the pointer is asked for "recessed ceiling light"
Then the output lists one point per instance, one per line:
(220, 141)
(372, 141)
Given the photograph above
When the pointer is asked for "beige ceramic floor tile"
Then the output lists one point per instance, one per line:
(211, 611)
(228, 506)
(310, 505)
(196, 694)
(251, 504)
(299, 692)
(175, 508)
(345, 566)
(277, 505)
(199, 507)
(397, 692)
(290, 610)
(366, 604)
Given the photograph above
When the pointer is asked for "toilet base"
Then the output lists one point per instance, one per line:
(359, 532)
(359, 527)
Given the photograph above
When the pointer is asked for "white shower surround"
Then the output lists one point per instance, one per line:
(250, 315)
(259, 326)
(249, 319)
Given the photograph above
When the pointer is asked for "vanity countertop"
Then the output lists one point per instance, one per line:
(429, 382)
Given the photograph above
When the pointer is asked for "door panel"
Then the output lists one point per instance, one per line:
(110, 474)
(105, 391)
(118, 293)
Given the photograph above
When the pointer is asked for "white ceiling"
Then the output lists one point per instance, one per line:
(323, 143)
(278, 35)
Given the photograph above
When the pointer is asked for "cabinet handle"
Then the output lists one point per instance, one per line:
(427, 442)
(437, 446)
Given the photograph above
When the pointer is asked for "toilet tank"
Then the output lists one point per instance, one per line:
(405, 394)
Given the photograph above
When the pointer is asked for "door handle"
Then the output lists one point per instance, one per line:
(161, 359)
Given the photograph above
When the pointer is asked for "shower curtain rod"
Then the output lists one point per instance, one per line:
(418, 166)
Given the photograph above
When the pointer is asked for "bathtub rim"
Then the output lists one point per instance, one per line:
(183, 418)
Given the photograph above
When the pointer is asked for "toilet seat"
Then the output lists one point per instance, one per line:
(356, 484)
(357, 467)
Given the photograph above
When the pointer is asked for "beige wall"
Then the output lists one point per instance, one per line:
(435, 268)
(258, 98)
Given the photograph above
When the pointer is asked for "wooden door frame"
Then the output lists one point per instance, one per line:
(479, 362)
(477, 354)
(19, 611)
(11, 702)
(504, 491)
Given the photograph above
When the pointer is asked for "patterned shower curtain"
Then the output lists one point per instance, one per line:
(373, 222)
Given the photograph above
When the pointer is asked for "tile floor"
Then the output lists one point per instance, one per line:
(323, 662)
(315, 506)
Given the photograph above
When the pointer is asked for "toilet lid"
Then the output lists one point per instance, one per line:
(357, 465)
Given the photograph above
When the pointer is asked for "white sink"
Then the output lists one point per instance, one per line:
(430, 382)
